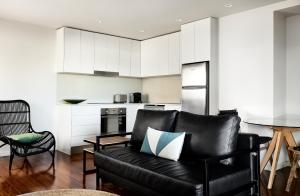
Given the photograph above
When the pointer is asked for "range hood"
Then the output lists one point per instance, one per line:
(106, 73)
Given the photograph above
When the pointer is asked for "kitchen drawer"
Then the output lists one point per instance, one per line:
(85, 130)
(85, 120)
(78, 140)
(85, 110)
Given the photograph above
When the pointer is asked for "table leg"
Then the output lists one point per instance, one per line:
(269, 152)
(290, 154)
(289, 138)
(275, 159)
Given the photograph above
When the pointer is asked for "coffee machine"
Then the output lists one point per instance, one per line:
(135, 97)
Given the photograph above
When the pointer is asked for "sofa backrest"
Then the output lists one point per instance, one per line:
(208, 135)
(160, 120)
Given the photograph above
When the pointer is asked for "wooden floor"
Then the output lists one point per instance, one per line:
(36, 175)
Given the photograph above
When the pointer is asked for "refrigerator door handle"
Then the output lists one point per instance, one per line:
(194, 87)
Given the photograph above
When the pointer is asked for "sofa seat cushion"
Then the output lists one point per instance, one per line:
(169, 177)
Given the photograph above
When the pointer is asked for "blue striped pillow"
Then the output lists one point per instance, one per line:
(163, 144)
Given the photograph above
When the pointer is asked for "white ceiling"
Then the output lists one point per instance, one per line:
(121, 17)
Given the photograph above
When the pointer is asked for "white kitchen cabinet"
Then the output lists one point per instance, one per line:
(75, 51)
(112, 53)
(87, 50)
(131, 110)
(174, 54)
(106, 53)
(188, 43)
(146, 59)
(74, 123)
(100, 63)
(130, 58)
(197, 40)
(203, 39)
(125, 57)
(159, 57)
(149, 60)
(161, 52)
(71, 50)
(135, 59)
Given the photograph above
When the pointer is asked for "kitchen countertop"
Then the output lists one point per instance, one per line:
(106, 103)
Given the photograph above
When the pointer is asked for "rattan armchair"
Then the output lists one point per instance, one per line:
(15, 120)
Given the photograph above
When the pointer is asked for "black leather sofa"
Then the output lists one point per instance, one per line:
(215, 160)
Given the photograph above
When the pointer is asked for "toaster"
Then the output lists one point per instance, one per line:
(120, 98)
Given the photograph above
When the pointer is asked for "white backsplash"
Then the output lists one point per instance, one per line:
(95, 88)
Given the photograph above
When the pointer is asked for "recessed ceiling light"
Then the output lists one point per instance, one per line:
(228, 5)
(178, 20)
(142, 31)
(99, 21)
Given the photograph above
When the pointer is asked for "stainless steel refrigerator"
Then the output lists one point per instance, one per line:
(195, 88)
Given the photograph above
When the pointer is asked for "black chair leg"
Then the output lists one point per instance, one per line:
(53, 159)
(84, 162)
(53, 156)
(11, 160)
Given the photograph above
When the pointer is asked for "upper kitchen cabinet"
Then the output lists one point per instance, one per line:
(135, 59)
(75, 51)
(113, 51)
(130, 58)
(125, 57)
(198, 40)
(174, 54)
(87, 52)
(100, 52)
(161, 56)
(106, 53)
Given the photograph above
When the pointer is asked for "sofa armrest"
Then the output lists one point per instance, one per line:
(230, 155)
(247, 152)
(247, 141)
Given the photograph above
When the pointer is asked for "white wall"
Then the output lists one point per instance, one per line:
(293, 69)
(293, 65)
(279, 57)
(95, 88)
(248, 79)
(27, 70)
(246, 62)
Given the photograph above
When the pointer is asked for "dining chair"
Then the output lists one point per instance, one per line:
(263, 140)
(293, 173)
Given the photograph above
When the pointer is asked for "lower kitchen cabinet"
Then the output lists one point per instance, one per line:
(74, 123)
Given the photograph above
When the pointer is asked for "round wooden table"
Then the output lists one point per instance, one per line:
(282, 129)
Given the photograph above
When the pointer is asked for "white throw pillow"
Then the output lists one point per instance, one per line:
(163, 144)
